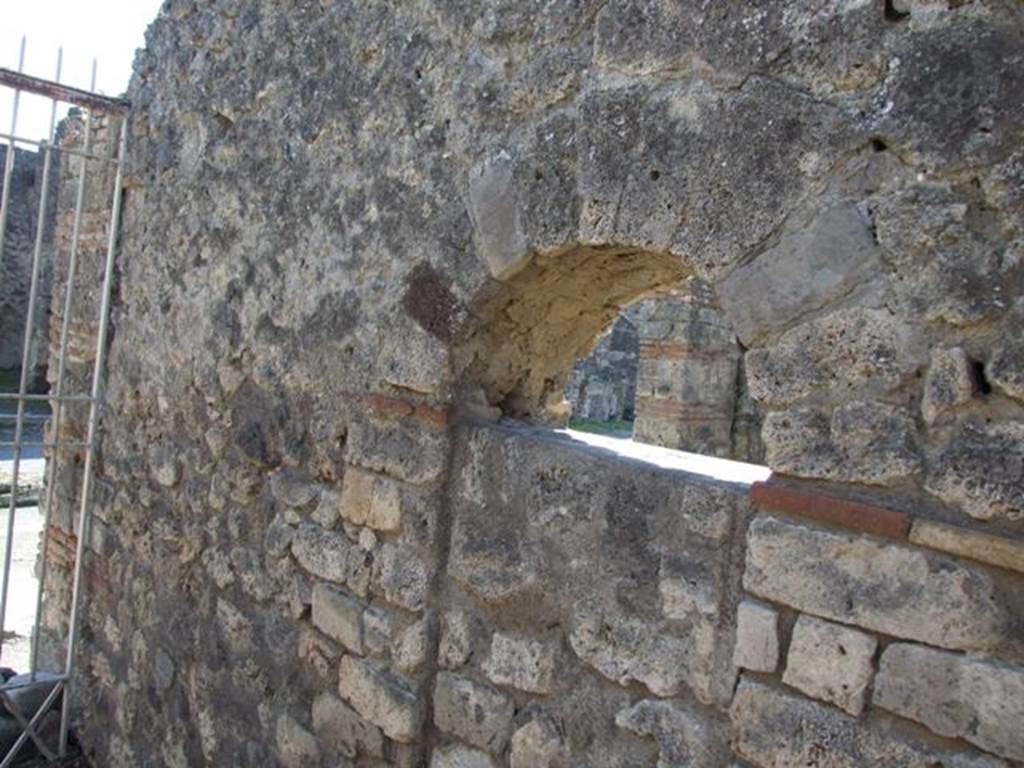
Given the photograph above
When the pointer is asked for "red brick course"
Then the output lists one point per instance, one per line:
(852, 515)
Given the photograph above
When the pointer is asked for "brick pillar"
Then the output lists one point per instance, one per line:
(687, 391)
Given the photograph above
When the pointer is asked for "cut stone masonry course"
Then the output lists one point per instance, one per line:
(954, 695)
(875, 584)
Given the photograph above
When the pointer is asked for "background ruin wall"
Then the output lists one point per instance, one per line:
(355, 234)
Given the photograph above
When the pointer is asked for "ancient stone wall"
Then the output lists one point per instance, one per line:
(358, 235)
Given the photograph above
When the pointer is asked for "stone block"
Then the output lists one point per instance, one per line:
(830, 662)
(851, 353)
(626, 649)
(813, 264)
(328, 510)
(341, 729)
(876, 442)
(798, 442)
(324, 554)
(1006, 369)
(371, 500)
(321, 653)
(522, 663)
(495, 213)
(981, 471)
(540, 743)
(411, 452)
(297, 746)
(165, 464)
(460, 756)
(777, 728)
(957, 696)
(906, 592)
(412, 646)
(401, 576)
(339, 615)
(688, 590)
(948, 384)
(757, 637)
(293, 489)
(382, 698)
(379, 628)
(684, 737)
(460, 633)
(963, 542)
(473, 712)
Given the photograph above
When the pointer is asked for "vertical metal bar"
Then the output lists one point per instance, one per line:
(25, 356)
(51, 475)
(85, 511)
(9, 160)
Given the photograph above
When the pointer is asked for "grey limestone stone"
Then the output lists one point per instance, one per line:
(757, 637)
(981, 471)
(380, 626)
(412, 647)
(831, 662)
(1005, 367)
(772, 727)
(522, 663)
(381, 698)
(460, 633)
(684, 738)
(344, 731)
(798, 441)
(401, 576)
(949, 383)
(877, 442)
(625, 650)
(324, 554)
(957, 696)
(472, 711)
(1006, 370)
(811, 265)
(907, 592)
(849, 353)
(496, 216)
(293, 489)
(540, 743)
(297, 746)
(339, 615)
(397, 450)
(460, 756)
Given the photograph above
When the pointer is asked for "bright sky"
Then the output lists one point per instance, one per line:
(109, 30)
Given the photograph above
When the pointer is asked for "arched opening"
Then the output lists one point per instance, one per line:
(528, 331)
(680, 385)
(670, 373)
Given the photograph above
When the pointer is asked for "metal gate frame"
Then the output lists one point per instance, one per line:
(94, 105)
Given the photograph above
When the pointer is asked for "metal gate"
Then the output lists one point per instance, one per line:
(77, 163)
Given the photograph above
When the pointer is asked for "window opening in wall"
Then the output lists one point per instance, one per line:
(665, 385)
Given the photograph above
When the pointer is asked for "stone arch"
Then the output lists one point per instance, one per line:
(527, 331)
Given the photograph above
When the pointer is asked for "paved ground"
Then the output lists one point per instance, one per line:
(21, 595)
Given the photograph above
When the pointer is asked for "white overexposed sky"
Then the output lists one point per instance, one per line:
(109, 30)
